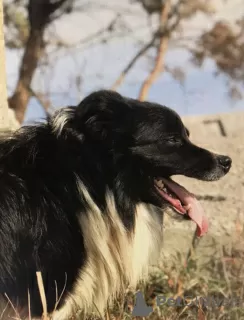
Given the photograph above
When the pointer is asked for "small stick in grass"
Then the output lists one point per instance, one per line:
(42, 295)
(60, 297)
(12, 306)
(29, 305)
(2, 314)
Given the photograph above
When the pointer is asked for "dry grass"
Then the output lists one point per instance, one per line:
(219, 274)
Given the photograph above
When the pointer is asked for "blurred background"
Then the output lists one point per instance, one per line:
(186, 54)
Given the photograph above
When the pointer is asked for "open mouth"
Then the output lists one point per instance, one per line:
(183, 202)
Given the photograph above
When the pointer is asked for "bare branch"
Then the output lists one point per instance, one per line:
(56, 5)
(45, 103)
(108, 28)
(159, 63)
(147, 46)
(39, 12)
(42, 295)
(140, 53)
(3, 87)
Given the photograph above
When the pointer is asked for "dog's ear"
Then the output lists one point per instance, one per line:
(103, 115)
(97, 103)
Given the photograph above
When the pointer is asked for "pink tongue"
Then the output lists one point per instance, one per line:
(194, 210)
(196, 213)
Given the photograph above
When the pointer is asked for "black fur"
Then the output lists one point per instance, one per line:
(109, 142)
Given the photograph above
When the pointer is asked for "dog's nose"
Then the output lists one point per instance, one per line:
(225, 163)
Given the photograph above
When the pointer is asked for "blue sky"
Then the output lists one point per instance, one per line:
(201, 92)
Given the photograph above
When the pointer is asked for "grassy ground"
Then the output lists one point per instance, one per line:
(219, 278)
(214, 272)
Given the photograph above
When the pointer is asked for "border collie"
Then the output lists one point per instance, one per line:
(82, 199)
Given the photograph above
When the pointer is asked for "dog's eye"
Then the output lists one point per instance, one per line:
(174, 141)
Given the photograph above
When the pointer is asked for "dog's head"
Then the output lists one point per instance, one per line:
(145, 144)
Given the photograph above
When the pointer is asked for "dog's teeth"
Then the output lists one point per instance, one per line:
(187, 207)
(160, 184)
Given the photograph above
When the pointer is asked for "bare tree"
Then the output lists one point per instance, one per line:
(40, 14)
(171, 16)
(29, 31)
(162, 48)
(7, 121)
(221, 43)
(3, 88)
(225, 45)
(27, 23)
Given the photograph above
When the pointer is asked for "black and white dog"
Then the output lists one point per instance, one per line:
(82, 200)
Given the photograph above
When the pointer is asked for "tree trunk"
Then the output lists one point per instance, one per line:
(159, 62)
(4, 123)
(33, 51)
